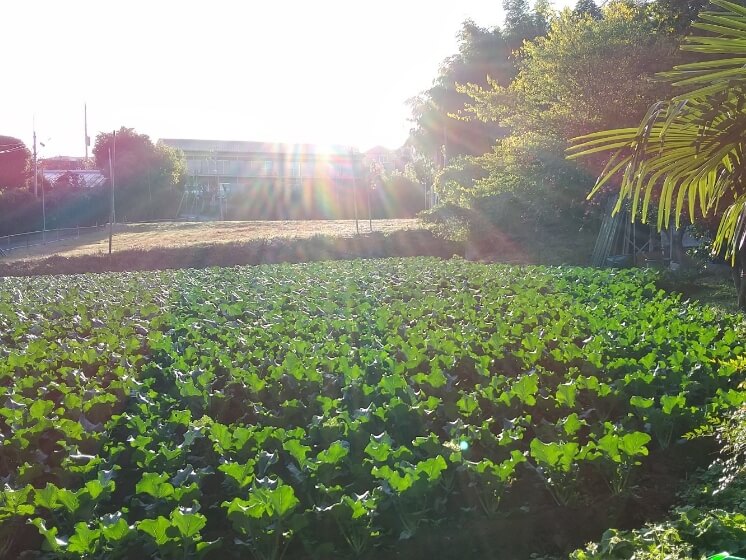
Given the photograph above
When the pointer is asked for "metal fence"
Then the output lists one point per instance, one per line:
(9, 243)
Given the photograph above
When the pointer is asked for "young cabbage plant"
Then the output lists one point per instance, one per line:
(265, 521)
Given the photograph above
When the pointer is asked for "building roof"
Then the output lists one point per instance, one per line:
(243, 147)
(89, 177)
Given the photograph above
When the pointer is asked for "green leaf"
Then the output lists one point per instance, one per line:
(431, 468)
(222, 435)
(641, 402)
(113, 527)
(555, 456)
(240, 511)
(436, 378)
(188, 524)
(95, 488)
(69, 499)
(41, 409)
(525, 389)
(156, 528)
(467, 404)
(669, 402)
(243, 474)
(334, 455)
(634, 443)
(297, 450)
(566, 394)
(398, 482)
(51, 542)
(282, 500)
(572, 424)
(378, 451)
(84, 540)
(155, 485)
(47, 497)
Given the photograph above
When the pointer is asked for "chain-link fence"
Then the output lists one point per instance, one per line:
(9, 243)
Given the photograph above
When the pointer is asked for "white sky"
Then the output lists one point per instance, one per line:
(329, 71)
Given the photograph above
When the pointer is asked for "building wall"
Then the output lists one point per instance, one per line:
(283, 181)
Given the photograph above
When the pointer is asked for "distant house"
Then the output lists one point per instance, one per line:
(389, 160)
(271, 180)
(71, 171)
(84, 178)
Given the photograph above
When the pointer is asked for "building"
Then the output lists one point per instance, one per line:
(389, 160)
(70, 171)
(269, 180)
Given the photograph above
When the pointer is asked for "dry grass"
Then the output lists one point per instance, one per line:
(128, 237)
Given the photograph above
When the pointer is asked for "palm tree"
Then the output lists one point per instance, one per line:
(688, 152)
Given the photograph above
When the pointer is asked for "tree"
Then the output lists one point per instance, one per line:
(524, 24)
(687, 153)
(582, 72)
(676, 16)
(15, 162)
(587, 8)
(138, 161)
(482, 52)
(585, 74)
(143, 172)
(528, 170)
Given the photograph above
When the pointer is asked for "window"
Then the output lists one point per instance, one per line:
(268, 167)
(295, 169)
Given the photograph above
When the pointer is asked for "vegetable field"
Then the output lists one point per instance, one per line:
(337, 410)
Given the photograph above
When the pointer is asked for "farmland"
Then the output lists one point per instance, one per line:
(344, 410)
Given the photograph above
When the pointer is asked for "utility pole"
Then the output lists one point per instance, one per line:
(85, 131)
(354, 190)
(36, 168)
(112, 158)
(370, 215)
(43, 215)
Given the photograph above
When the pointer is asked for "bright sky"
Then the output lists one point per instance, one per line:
(330, 71)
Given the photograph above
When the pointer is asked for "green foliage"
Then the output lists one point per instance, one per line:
(336, 407)
(15, 163)
(483, 53)
(146, 175)
(528, 179)
(584, 74)
(686, 154)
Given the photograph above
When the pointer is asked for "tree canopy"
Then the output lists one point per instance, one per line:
(138, 162)
(483, 53)
(584, 74)
(15, 162)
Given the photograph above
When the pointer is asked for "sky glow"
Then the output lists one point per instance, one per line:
(331, 71)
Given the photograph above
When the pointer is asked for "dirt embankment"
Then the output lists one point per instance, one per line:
(405, 243)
